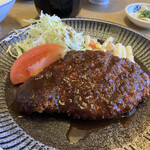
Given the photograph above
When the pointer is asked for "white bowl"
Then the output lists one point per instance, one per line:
(130, 9)
(5, 7)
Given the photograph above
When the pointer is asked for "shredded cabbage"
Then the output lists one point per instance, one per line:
(48, 29)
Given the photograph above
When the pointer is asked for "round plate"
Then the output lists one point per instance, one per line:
(43, 131)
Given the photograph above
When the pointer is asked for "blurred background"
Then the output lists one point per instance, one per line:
(114, 11)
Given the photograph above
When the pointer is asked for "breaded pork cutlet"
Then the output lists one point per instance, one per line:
(90, 85)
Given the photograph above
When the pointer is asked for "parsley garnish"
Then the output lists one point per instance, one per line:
(22, 50)
(145, 14)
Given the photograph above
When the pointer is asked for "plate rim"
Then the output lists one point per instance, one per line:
(82, 19)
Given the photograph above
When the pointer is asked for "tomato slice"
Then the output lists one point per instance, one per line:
(34, 61)
(92, 44)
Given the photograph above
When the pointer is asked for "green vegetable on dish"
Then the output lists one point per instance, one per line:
(22, 50)
(145, 14)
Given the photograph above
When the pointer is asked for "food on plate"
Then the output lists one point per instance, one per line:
(68, 72)
(50, 29)
(108, 45)
(34, 61)
(143, 13)
(47, 29)
(86, 85)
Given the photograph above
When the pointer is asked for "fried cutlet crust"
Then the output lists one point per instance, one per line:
(90, 85)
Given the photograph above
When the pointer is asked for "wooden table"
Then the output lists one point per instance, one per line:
(114, 12)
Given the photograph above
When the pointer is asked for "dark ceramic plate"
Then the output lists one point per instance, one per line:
(42, 131)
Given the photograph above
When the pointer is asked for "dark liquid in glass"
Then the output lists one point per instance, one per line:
(62, 8)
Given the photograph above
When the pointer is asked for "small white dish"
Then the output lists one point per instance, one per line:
(5, 7)
(131, 9)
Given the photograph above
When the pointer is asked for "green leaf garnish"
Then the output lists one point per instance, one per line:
(22, 50)
(145, 14)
